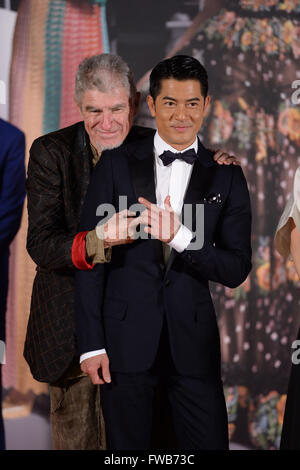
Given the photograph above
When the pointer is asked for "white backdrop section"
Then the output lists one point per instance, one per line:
(7, 26)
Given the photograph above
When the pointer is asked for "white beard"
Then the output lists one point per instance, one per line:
(100, 148)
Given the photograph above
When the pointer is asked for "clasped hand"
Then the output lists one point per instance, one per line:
(162, 224)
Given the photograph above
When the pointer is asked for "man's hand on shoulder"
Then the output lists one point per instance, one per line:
(97, 367)
(223, 158)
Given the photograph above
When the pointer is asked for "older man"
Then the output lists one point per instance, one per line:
(59, 172)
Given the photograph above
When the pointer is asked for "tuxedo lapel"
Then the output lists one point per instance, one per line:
(141, 167)
(198, 186)
(200, 180)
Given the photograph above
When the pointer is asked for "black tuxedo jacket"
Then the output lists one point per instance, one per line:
(120, 306)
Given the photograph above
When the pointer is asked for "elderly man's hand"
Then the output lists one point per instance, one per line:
(223, 158)
(97, 367)
(120, 228)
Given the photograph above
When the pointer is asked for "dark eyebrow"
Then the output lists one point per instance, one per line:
(173, 99)
(169, 98)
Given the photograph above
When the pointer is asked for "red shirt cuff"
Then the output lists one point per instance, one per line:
(78, 252)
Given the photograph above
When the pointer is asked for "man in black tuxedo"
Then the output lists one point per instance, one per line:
(147, 318)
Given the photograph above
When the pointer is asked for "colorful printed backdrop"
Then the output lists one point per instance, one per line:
(251, 49)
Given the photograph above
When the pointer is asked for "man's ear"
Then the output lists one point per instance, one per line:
(151, 105)
(206, 104)
(78, 106)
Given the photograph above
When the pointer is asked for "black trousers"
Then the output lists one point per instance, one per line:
(197, 407)
(290, 436)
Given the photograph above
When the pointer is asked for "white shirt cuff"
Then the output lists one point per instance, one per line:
(91, 354)
(182, 239)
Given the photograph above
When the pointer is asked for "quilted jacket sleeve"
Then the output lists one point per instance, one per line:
(49, 242)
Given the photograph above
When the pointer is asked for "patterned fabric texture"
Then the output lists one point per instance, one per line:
(55, 160)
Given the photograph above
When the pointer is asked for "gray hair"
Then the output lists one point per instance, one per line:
(104, 72)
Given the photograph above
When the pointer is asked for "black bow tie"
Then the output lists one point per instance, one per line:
(189, 156)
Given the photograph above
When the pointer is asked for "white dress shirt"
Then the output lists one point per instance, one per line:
(282, 239)
(170, 180)
(173, 180)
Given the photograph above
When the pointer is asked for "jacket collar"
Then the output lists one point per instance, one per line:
(144, 149)
(141, 165)
(142, 171)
